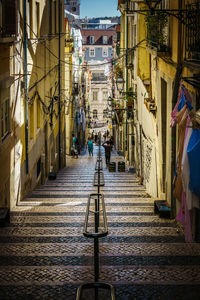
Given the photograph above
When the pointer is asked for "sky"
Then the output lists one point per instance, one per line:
(99, 8)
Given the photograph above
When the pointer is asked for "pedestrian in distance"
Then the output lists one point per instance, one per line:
(90, 146)
(108, 148)
(74, 147)
(104, 136)
(111, 142)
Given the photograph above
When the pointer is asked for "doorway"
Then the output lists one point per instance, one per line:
(164, 131)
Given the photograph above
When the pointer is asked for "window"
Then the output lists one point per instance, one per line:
(8, 17)
(105, 52)
(84, 39)
(95, 113)
(28, 20)
(91, 39)
(92, 52)
(105, 113)
(55, 18)
(37, 18)
(50, 17)
(1, 21)
(105, 95)
(98, 77)
(5, 118)
(105, 39)
(164, 4)
(31, 121)
(134, 36)
(95, 96)
(38, 113)
(192, 37)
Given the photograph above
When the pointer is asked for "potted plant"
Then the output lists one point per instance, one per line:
(156, 23)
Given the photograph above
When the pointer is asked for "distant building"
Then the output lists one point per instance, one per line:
(98, 43)
(98, 54)
(73, 6)
(99, 24)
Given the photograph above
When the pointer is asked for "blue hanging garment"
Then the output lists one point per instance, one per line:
(181, 102)
(184, 101)
(193, 151)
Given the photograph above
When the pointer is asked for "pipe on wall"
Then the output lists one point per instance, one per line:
(26, 88)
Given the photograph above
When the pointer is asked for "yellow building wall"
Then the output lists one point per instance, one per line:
(68, 91)
(143, 55)
(43, 79)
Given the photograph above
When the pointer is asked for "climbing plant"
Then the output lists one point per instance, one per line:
(156, 23)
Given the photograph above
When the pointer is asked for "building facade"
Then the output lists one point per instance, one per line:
(73, 6)
(32, 127)
(98, 55)
(164, 65)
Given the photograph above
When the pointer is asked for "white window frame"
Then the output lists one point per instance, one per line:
(105, 113)
(91, 54)
(105, 93)
(91, 39)
(96, 97)
(105, 39)
(105, 52)
(95, 113)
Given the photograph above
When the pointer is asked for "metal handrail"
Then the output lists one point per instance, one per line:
(96, 285)
(97, 197)
(98, 179)
(99, 165)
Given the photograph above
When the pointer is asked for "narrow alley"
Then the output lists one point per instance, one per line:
(44, 254)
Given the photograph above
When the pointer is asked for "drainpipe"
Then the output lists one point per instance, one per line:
(59, 83)
(26, 89)
(126, 142)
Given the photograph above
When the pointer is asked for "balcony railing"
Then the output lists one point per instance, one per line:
(8, 26)
(157, 31)
(192, 39)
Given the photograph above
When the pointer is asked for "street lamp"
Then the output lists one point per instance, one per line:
(120, 84)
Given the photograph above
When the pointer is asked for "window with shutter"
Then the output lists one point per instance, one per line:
(9, 17)
(5, 118)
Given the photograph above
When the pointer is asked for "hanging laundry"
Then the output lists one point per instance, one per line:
(183, 98)
(184, 218)
(175, 110)
(191, 199)
(193, 151)
(181, 121)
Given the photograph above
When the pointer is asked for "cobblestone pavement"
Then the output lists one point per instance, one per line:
(44, 254)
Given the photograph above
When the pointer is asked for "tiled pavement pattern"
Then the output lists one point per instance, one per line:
(45, 256)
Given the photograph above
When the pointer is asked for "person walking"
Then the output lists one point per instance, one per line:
(90, 146)
(74, 146)
(108, 148)
(111, 142)
(104, 136)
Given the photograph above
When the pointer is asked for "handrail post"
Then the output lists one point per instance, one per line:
(97, 198)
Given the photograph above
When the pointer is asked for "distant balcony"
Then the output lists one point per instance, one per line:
(100, 77)
(8, 21)
(192, 39)
(157, 31)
